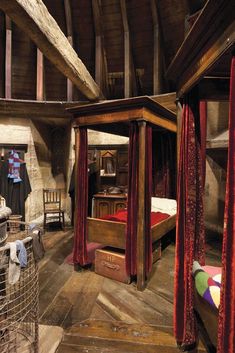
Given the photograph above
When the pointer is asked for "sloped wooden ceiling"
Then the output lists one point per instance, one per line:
(102, 19)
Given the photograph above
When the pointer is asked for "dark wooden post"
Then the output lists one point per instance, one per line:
(77, 146)
(40, 92)
(8, 58)
(179, 122)
(141, 251)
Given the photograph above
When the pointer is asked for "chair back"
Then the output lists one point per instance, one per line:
(2, 201)
(51, 199)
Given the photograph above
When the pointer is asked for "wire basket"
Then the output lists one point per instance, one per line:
(14, 223)
(3, 232)
(19, 301)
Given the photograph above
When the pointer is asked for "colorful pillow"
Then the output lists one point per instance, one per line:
(208, 283)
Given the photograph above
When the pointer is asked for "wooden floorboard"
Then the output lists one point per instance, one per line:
(102, 315)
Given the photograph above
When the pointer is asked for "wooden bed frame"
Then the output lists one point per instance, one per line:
(207, 318)
(113, 233)
(203, 63)
(114, 117)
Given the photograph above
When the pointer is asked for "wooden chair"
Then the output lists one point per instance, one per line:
(52, 206)
(2, 201)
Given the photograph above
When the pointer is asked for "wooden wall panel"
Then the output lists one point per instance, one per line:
(113, 34)
(23, 65)
(55, 82)
(141, 33)
(172, 19)
(84, 36)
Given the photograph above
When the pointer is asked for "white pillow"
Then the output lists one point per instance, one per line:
(159, 204)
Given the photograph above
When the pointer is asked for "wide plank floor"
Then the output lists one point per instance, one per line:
(102, 315)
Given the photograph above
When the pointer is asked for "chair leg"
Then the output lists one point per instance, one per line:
(63, 223)
(44, 222)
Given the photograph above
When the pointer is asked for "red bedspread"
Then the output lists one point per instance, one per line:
(121, 216)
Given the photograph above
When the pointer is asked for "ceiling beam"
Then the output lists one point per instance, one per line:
(35, 109)
(202, 49)
(35, 20)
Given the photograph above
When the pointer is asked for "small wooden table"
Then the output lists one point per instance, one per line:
(105, 204)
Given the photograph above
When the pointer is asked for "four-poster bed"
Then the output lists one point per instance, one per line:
(204, 69)
(135, 118)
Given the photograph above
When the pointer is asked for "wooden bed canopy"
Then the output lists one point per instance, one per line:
(204, 69)
(116, 117)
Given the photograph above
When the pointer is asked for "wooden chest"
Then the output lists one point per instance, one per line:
(111, 264)
(157, 251)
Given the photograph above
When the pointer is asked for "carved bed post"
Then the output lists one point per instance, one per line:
(77, 143)
(179, 122)
(141, 244)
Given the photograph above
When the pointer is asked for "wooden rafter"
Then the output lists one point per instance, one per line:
(201, 49)
(69, 27)
(156, 50)
(8, 58)
(130, 86)
(35, 20)
(35, 109)
(101, 68)
(40, 93)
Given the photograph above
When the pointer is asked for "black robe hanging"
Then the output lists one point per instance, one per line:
(14, 193)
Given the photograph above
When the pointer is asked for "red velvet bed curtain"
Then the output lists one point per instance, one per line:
(226, 335)
(132, 207)
(190, 233)
(80, 231)
(164, 164)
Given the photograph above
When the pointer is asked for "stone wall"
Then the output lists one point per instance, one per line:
(216, 163)
(49, 159)
(38, 137)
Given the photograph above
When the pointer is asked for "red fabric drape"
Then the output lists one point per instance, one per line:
(190, 233)
(132, 208)
(164, 164)
(80, 232)
(226, 335)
